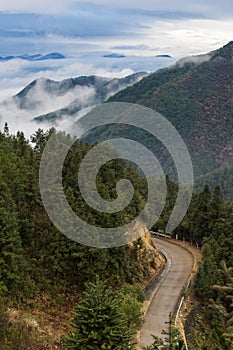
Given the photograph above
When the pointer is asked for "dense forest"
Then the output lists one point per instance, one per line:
(210, 220)
(39, 265)
(44, 275)
(223, 176)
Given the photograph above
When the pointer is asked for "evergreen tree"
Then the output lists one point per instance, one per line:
(200, 216)
(6, 130)
(132, 298)
(207, 274)
(12, 261)
(173, 343)
(98, 322)
(225, 306)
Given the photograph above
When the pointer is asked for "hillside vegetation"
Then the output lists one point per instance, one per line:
(195, 95)
(223, 176)
(44, 275)
(42, 271)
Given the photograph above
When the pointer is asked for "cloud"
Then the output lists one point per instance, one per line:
(194, 59)
(85, 55)
(16, 74)
(44, 96)
(131, 47)
(32, 6)
(209, 8)
(85, 31)
(163, 8)
(39, 101)
(124, 25)
(83, 24)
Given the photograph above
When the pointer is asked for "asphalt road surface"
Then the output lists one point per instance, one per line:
(166, 294)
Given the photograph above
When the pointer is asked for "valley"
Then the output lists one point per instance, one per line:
(58, 293)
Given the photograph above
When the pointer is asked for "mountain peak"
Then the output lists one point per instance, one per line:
(224, 52)
(163, 56)
(230, 44)
(35, 57)
(114, 55)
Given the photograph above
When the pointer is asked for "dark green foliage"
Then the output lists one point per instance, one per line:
(210, 281)
(205, 333)
(174, 342)
(107, 179)
(199, 219)
(208, 271)
(99, 322)
(35, 257)
(131, 298)
(29, 235)
(223, 176)
(208, 223)
(12, 260)
(224, 304)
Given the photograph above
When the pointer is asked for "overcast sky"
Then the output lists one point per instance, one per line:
(89, 29)
(179, 26)
(208, 7)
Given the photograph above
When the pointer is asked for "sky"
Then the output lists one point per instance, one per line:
(84, 31)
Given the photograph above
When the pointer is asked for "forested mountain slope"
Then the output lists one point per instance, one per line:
(195, 95)
(223, 176)
(43, 273)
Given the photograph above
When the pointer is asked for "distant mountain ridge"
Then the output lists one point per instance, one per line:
(195, 95)
(164, 56)
(114, 55)
(49, 101)
(103, 88)
(26, 98)
(35, 57)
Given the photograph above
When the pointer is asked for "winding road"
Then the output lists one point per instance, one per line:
(166, 293)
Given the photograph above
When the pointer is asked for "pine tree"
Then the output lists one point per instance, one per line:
(12, 262)
(200, 217)
(98, 322)
(173, 343)
(226, 310)
(207, 274)
(6, 130)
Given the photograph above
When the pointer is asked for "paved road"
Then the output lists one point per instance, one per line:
(174, 278)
